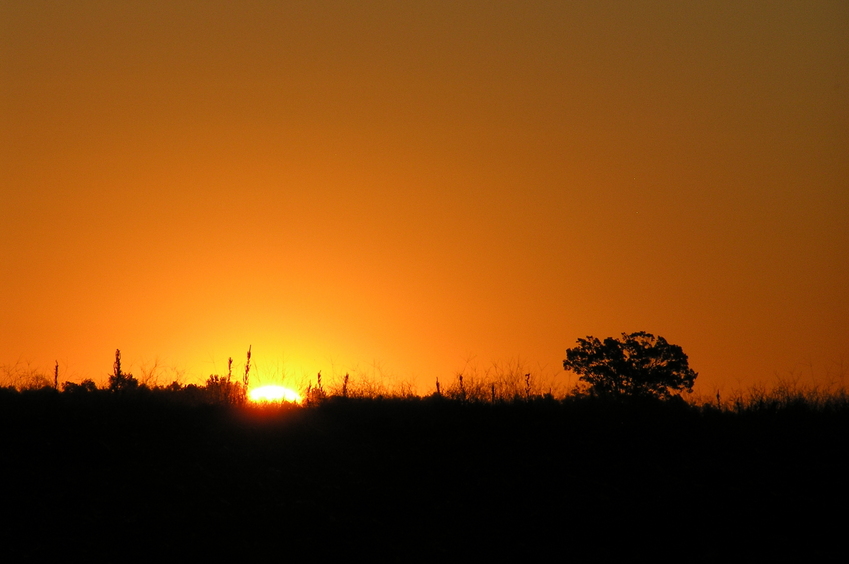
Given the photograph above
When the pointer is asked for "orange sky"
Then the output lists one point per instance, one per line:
(404, 188)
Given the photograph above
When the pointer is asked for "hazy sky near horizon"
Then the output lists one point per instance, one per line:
(411, 187)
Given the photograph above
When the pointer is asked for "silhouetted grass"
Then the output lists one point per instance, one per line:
(491, 465)
(179, 472)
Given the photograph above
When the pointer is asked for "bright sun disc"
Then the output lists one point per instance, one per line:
(273, 394)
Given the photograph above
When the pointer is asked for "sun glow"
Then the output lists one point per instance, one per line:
(273, 393)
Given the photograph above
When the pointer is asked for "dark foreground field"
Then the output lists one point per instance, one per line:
(116, 479)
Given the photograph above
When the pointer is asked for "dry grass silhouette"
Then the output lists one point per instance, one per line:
(497, 465)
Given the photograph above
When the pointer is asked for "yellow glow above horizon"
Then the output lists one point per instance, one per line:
(404, 193)
(273, 393)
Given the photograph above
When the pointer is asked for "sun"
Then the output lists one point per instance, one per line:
(273, 393)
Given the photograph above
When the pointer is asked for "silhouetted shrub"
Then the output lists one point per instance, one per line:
(221, 390)
(86, 386)
(119, 382)
(123, 383)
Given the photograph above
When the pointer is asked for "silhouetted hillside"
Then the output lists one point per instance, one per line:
(420, 479)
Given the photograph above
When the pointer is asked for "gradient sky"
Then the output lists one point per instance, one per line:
(408, 188)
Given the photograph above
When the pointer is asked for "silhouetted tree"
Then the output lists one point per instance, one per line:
(638, 365)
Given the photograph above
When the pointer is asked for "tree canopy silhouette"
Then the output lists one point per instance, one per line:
(638, 365)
